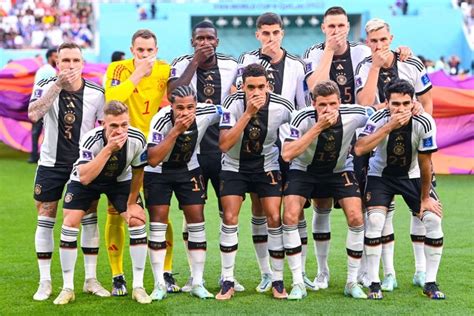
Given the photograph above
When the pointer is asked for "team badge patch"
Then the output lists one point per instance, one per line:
(37, 189)
(226, 118)
(38, 93)
(358, 82)
(428, 142)
(425, 79)
(240, 71)
(87, 155)
(294, 132)
(115, 82)
(68, 197)
(308, 67)
(157, 137)
(173, 72)
(369, 129)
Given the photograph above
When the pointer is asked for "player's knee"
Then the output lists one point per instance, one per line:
(376, 220)
(355, 220)
(72, 218)
(135, 222)
(230, 218)
(274, 219)
(48, 209)
(290, 216)
(432, 222)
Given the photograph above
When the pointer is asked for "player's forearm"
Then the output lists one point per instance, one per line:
(293, 149)
(158, 153)
(89, 171)
(366, 96)
(135, 185)
(37, 109)
(368, 143)
(120, 92)
(427, 101)
(424, 161)
(228, 138)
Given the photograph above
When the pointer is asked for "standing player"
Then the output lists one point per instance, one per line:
(372, 74)
(173, 141)
(248, 138)
(321, 168)
(111, 161)
(286, 74)
(401, 165)
(70, 107)
(140, 83)
(46, 71)
(212, 76)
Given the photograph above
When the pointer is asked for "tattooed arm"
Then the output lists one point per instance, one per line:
(38, 108)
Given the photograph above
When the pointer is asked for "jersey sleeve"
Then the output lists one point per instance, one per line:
(229, 117)
(370, 126)
(116, 86)
(423, 82)
(158, 127)
(302, 91)
(140, 158)
(88, 148)
(100, 108)
(312, 58)
(216, 116)
(40, 88)
(297, 126)
(177, 68)
(427, 134)
(362, 72)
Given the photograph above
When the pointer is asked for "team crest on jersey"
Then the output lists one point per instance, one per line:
(115, 82)
(358, 82)
(428, 142)
(68, 197)
(226, 118)
(87, 155)
(294, 133)
(157, 137)
(38, 93)
(341, 79)
(425, 79)
(308, 67)
(369, 129)
(368, 196)
(37, 189)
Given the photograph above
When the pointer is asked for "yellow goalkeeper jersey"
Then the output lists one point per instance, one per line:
(143, 100)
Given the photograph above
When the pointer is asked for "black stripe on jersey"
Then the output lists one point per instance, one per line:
(364, 61)
(181, 58)
(231, 98)
(93, 85)
(92, 139)
(225, 57)
(424, 121)
(280, 100)
(255, 52)
(424, 91)
(309, 50)
(45, 81)
(162, 121)
(300, 117)
(294, 57)
(209, 111)
(380, 115)
(355, 44)
(137, 135)
(413, 61)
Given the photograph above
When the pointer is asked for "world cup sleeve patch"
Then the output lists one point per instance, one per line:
(294, 133)
(308, 67)
(226, 118)
(87, 155)
(369, 129)
(173, 72)
(144, 156)
(38, 93)
(428, 142)
(157, 137)
(358, 82)
(240, 71)
(425, 79)
(115, 82)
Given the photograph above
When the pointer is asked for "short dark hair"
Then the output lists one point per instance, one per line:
(68, 45)
(116, 56)
(325, 88)
(269, 18)
(181, 92)
(398, 86)
(50, 52)
(204, 25)
(254, 70)
(144, 33)
(335, 11)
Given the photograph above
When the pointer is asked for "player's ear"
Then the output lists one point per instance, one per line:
(131, 51)
(217, 42)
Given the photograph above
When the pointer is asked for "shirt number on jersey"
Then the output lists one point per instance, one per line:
(147, 105)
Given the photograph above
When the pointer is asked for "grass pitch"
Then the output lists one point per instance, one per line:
(19, 272)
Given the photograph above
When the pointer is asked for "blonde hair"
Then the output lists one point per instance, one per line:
(115, 108)
(375, 24)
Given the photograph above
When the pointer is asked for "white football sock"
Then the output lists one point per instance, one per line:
(90, 244)
(68, 255)
(138, 252)
(433, 244)
(157, 250)
(229, 243)
(44, 246)
(322, 237)
(373, 244)
(260, 243)
(197, 247)
(276, 251)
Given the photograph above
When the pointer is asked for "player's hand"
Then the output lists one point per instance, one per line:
(145, 65)
(116, 140)
(254, 103)
(136, 212)
(67, 77)
(327, 119)
(380, 57)
(271, 48)
(400, 119)
(203, 53)
(417, 108)
(431, 205)
(334, 41)
(404, 52)
(183, 122)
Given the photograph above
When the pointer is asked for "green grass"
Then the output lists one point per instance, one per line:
(19, 273)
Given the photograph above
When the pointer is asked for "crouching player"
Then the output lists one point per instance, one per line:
(173, 140)
(111, 161)
(319, 146)
(401, 165)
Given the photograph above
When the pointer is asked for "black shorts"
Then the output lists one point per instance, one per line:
(211, 167)
(380, 191)
(188, 187)
(264, 184)
(338, 185)
(50, 182)
(80, 197)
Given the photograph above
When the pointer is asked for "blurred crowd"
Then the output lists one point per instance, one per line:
(45, 23)
(451, 66)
